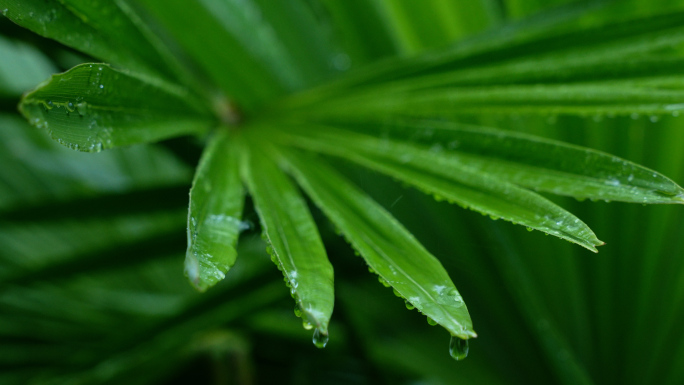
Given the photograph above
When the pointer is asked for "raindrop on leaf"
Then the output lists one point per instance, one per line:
(320, 339)
(458, 348)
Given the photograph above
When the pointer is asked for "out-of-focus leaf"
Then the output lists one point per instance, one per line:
(93, 106)
(630, 49)
(661, 95)
(388, 248)
(229, 66)
(293, 238)
(362, 29)
(109, 31)
(22, 67)
(450, 179)
(306, 35)
(72, 242)
(433, 23)
(35, 170)
(214, 224)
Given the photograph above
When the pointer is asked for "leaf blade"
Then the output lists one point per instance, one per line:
(530, 161)
(214, 215)
(93, 106)
(291, 232)
(385, 244)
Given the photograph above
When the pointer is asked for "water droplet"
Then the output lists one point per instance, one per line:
(431, 321)
(320, 339)
(298, 311)
(405, 158)
(396, 292)
(49, 105)
(409, 305)
(654, 118)
(70, 107)
(306, 325)
(458, 348)
(383, 282)
(530, 229)
(341, 62)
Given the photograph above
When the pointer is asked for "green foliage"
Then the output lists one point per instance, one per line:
(489, 105)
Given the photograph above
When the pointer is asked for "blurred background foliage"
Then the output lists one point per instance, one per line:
(91, 245)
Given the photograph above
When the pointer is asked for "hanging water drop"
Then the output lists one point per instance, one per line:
(458, 348)
(306, 325)
(320, 339)
(530, 229)
(297, 311)
(409, 305)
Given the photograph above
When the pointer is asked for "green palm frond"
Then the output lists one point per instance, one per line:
(299, 102)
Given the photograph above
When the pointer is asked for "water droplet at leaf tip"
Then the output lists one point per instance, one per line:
(458, 348)
(320, 339)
